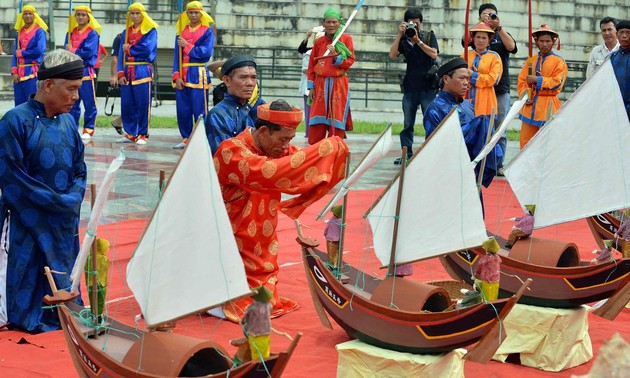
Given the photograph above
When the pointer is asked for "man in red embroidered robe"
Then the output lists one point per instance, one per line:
(83, 39)
(328, 81)
(254, 169)
(28, 53)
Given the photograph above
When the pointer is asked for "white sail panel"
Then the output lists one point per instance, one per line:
(95, 217)
(511, 115)
(440, 210)
(187, 259)
(578, 164)
(380, 148)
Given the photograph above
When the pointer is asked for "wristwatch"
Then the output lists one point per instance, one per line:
(499, 28)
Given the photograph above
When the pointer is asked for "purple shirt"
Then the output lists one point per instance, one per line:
(333, 228)
(257, 319)
(624, 230)
(525, 224)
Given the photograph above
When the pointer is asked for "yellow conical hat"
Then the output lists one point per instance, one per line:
(491, 245)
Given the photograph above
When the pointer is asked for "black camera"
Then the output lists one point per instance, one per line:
(493, 16)
(411, 30)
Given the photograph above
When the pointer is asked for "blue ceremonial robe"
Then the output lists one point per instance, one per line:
(475, 129)
(42, 178)
(86, 45)
(227, 119)
(192, 101)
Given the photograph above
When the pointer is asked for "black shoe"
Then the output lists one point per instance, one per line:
(118, 129)
(397, 161)
(508, 246)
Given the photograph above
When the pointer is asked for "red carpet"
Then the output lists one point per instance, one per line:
(46, 355)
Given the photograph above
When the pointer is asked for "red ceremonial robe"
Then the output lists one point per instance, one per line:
(252, 184)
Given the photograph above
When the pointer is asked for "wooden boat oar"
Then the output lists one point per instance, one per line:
(491, 341)
(319, 308)
(617, 302)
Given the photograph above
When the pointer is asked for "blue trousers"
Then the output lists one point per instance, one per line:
(135, 108)
(411, 101)
(23, 89)
(87, 94)
(190, 104)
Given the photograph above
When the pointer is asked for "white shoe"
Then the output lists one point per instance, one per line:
(124, 140)
(217, 312)
(141, 141)
(86, 136)
(180, 146)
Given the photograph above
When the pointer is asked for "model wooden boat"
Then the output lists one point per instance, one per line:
(398, 313)
(562, 171)
(169, 284)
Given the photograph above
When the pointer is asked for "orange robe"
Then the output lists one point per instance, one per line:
(552, 72)
(487, 70)
(252, 184)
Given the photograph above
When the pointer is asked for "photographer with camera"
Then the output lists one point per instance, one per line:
(503, 44)
(419, 49)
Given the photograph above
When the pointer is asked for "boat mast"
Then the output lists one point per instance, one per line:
(94, 265)
(342, 232)
(392, 257)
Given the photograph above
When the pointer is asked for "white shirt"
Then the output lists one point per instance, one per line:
(598, 55)
(303, 81)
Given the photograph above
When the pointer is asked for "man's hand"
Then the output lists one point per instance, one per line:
(125, 46)
(181, 42)
(179, 84)
(311, 94)
(402, 28)
(113, 80)
(331, 49)
(16, 78)
(532, 79)
(68, 46)
(122, 81)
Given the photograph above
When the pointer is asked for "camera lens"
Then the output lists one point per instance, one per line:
(493, 16)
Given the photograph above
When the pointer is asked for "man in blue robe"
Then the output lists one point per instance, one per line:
(454, 82)
(231, 116)
(620, 60)
(42, 179)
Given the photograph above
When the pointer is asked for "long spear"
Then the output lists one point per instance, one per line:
(343, 29)
(530, 29)
(466, 34)
(180, 9)
(69, 33)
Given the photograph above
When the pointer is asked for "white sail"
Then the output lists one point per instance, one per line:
(440, 210)
(90, 234)
(381, 147)
(187, 259)
(509, 117)
(578, 164)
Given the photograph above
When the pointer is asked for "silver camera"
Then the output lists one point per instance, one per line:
(412, 30)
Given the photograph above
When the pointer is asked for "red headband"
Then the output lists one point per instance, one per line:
(285, 118)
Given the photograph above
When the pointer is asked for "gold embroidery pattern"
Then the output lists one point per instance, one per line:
(273, 205)
(233, 178)
(226, 154)
(325, 148)
(247, 209)
(319, 179)
(269, 267)
(251, 228)
(310, 173)
(273, 280)
(249, 265)
(246, 153)
(261, 207)
(239, 242)
(298, 159)
(217, 165)
(267, 229)
(269, 169)
(238, 142)
(258, 249)
(255, 185)
(243, 167)
(283, 183)
(273, 248)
